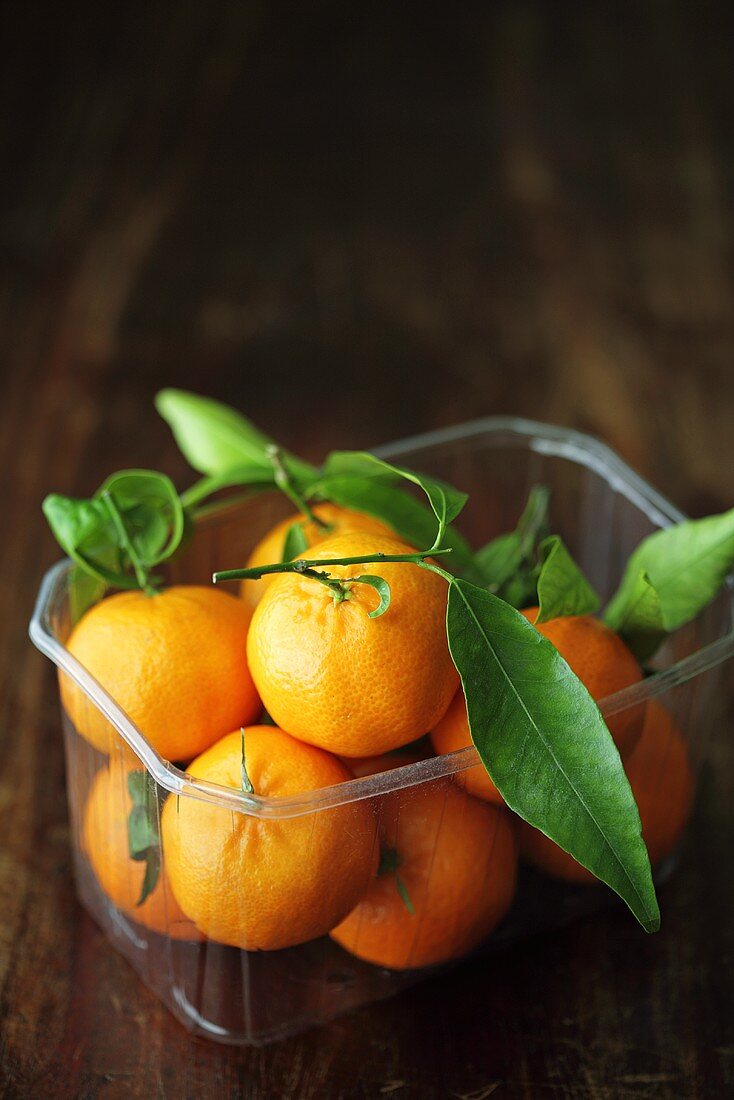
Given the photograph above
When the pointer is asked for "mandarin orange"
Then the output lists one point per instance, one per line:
(446, 878)
(334, 677)
(175, 662)
(265, 883)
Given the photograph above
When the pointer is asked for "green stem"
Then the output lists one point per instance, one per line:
(284, 483)
(141, 572)
(301, 565)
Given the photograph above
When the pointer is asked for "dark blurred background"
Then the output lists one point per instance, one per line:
(356, 222)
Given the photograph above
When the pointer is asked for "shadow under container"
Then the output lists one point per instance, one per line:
(601, 508)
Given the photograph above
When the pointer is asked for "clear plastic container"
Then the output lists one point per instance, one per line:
(600, 507)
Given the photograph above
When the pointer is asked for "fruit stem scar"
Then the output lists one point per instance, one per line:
(285, 484)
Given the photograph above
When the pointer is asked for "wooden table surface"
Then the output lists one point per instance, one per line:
(356, 222)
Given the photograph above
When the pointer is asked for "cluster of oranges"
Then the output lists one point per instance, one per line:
(411, 878)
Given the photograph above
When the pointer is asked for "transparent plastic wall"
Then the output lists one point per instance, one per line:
(602, 510)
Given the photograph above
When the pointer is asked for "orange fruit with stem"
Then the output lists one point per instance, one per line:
(445, 880)
(661, 779)
(175, 662)
(334, 520)
(333, 676)
(601, 661)
(265, 883)
(105, 842)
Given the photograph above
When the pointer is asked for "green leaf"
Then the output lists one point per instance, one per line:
(509, 560)
(445, 501)
(409, 518)
(84, 530)
(381, 586)
(142, 832)
(295, 543)
(522, 589)
(216, 439)
(84, 590)
(562, 587)
(686, 564)
(137, 787)
(543, 741)
(500, 559)
(150, 879)
(152, 509)
(135, 520)
(641, 622)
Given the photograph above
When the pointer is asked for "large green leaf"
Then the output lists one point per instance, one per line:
(543, 741)
(216, 439)
(446, 501)
(685, 564)
(562, 587)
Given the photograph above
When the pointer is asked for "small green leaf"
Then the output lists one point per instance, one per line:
(216, 439)
(296, 542)
(84, 590)
(142, 832)
(150, 879)
(380, 586)
(142, 822)
(135, 520)
(411, 520)
(84, 530)
(686, 565)
(137, 787)
(508, 561)
(445, 501)
(562, 587)
(641, 623)
(500, 559)
(522, 589)
(544, 743)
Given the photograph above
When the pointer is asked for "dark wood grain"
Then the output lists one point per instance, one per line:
(356, 222)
